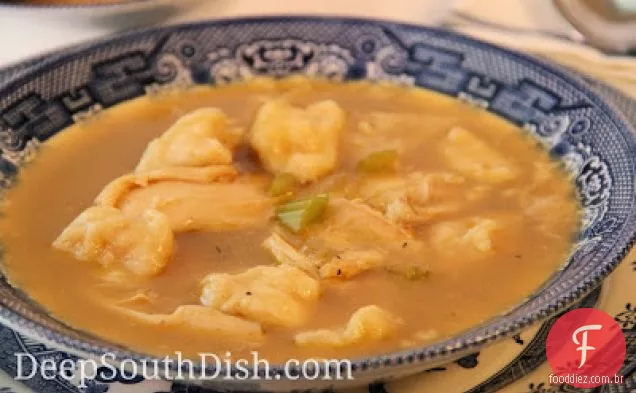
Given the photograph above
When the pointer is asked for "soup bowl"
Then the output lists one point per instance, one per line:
(592, 140)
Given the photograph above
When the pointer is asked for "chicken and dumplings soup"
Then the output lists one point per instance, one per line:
(297, 217)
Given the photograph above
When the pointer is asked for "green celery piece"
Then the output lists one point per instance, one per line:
(297, 215)
(282, 184)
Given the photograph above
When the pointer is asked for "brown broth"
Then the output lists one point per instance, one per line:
(72, 168)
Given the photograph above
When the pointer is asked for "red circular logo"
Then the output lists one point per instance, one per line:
(585, 349)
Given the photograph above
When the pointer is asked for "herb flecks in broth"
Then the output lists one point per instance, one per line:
(303, 218)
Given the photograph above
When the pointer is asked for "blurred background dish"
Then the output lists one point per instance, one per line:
(606, 24)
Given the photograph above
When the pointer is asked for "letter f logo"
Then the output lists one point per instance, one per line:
(583, 344)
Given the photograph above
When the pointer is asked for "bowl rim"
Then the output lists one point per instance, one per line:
(435, 353)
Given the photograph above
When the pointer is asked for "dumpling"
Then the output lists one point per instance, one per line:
(301, 142)
(272, 295)
(142, 244)
(472, 157)
(367, 325)
(200, 138)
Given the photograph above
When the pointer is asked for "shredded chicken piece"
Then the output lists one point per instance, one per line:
(419, 198)
(200, 138)
(271, 295)
(141, 297)
(285, 253)
(117, 189)
(350, 225)
(211, 207)
(301, 142)
(199, 319)
(467, 237)
(552, 213)
(120, 278)
(380, 191)
(368, 324)
(426, 335)
(480, 234)
(142, 244)
(352, 238)
(432, 187)
(425, 199)
(351, 263)
(471, 156)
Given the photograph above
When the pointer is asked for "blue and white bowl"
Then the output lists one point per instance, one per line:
(564, 114)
